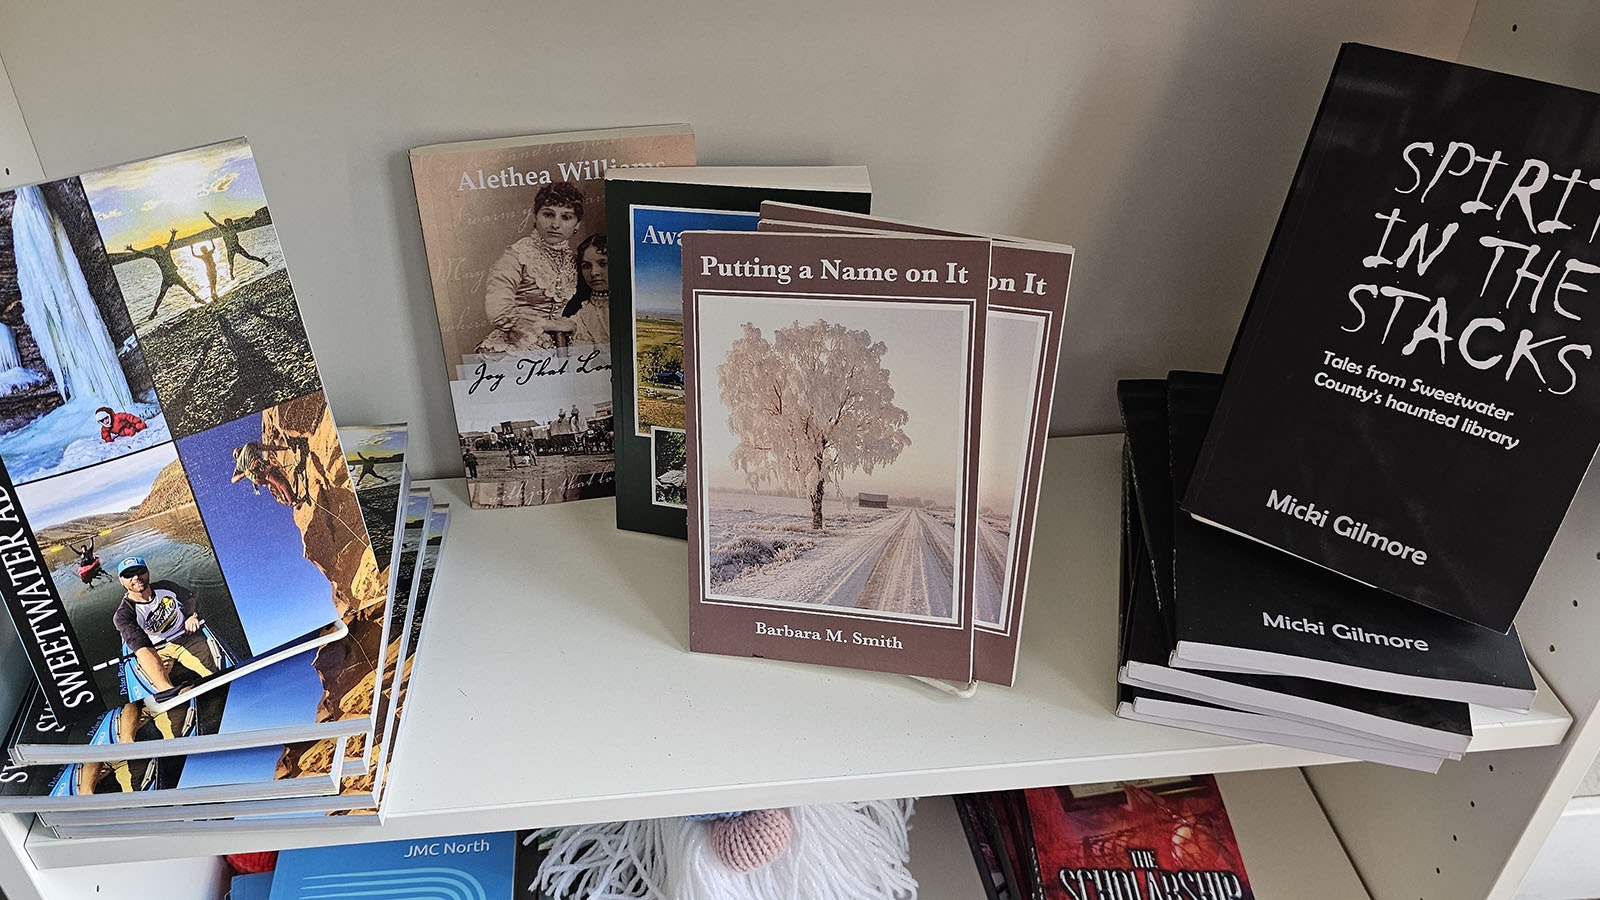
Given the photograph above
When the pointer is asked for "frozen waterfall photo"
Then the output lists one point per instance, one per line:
(74, 386)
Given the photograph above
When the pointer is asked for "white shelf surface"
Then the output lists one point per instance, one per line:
(554, 686)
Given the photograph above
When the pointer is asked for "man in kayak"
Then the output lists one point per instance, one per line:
(159, 623)
(89, 567)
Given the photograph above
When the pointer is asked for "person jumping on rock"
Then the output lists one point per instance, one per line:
(250, 461)
(230, 239)
(368, 467)
(162, 255)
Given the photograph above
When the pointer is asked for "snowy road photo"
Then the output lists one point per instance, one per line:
(895, 560)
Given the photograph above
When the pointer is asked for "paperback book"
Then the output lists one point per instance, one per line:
(649, 209)
(167, 427)
(361, 792)
(1162, 837)
(1412, 399)
(314, 695)
(1240, 606)
(225, 775)
(834, 393)
(515, 235)
(1026, 312)
(1298, 708)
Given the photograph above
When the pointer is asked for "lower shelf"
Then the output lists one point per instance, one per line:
(1289, 851)
(554, 686)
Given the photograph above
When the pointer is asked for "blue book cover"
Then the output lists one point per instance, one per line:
(469, 867)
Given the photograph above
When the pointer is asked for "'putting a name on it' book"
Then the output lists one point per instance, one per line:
(1413, 396)
(174, 505)
(1026, 312)
(648, 209)
(515, 230)
(833, 403)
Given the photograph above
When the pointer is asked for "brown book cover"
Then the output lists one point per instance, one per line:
(834, 385)
(515, 235)
(1027, 306)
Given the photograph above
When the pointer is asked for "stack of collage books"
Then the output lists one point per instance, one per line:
(1328, 545)
(219, 590)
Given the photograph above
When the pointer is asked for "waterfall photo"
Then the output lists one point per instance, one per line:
(196, 255)
(74, 386)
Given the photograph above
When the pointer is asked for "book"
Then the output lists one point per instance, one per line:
(509, 225)
(224, 775)
(167, 408)
(983, 838)
(314, 695)
(842, 364)
(1159, 837)
(1410, 401)
(414, 535)
(649, 208)
(1027, 309)
(1241, 606)
(1312, 708)
(488, 866)
(361, 791)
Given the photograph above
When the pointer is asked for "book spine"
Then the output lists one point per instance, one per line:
(40, 616)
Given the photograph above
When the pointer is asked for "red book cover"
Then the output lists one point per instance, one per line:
(1163, 839)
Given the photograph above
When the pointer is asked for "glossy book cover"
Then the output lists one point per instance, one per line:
(164, 423)
(1155, 838)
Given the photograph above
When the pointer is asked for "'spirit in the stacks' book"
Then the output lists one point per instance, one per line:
(1413, 398)
(1027, 308)
(515, 230)
(175, 509)
(834, 393)
(1243, 607)
(1164, 837)
(648, 209)
(1304, 712)
(310, 696)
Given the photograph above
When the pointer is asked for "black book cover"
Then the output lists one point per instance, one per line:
(647, 379)
(1147, 644)
(1412, 398)
(1241, 605)
(983, 838)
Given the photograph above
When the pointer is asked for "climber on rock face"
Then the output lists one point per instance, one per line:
(251, 461)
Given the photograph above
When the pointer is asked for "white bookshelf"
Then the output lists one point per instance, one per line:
(1157, 138)
(559, 644)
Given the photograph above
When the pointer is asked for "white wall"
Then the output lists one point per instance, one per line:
(1157, 137)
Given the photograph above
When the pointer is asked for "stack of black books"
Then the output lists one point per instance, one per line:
(1327, 546)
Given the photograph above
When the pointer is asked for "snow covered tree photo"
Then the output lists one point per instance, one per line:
(808, 406)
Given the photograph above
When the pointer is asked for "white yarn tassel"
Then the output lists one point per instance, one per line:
(840, 851)
(609, 860)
